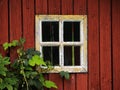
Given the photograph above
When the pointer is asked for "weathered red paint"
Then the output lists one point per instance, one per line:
(15, 16)
(93, 45)
(103, 37)
(116, 43)
(3, 24)
(80, 8)
(54, 8)
(41, 6)
(28, 23)
(105, 45)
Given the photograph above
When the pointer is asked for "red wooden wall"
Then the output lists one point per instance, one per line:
(17, 19)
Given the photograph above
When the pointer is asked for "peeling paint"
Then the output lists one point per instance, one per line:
(61, 43)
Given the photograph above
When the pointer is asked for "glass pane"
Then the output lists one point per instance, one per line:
(51, 54)
(67, 55)
(77, 55)
(72, 55)
(50, 31)
(71, 31)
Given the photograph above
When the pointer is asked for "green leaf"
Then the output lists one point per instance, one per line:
(39, 61)
(31, 73)
(67, 76)
(2, 86)
(22, 41)
(14, 43)
(15, 88)
(10, 44)
(64, 74)
(1, 80)
(6, 61)
(10, 81)
(28, 68)
(41, 79)
(36, 60)
(50, 84)
(5, 46)
(3, 73)
(31, 62)
(9, 87)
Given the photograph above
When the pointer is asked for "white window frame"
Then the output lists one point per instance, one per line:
(82, 43)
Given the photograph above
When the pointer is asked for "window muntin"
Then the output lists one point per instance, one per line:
(63, 40)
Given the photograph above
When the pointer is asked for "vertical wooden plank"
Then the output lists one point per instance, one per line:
(54, 8)
(28, 22)
(71, 83)
(105, 45)
(15, 19)
(58, 81)
(93, 45)
(3, 23)
(81, 82)
(67, 9)
(15, 24)
(80, 9)
(116, 43)
(41, 6)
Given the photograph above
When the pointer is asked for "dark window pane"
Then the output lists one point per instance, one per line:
(50, 31)
(51, 54)
(67, 31)
(76, 31)
(67, 55)
(77, 55)
(72, 55)
(71, 31)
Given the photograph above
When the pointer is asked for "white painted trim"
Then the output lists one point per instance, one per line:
(83, 40)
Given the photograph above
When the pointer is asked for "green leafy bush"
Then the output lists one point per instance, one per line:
(22, 73)
(27, 70)
(7, 78)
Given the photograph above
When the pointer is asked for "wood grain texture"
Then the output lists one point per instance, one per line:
(28, 23)
(93, 45)
(81, 79)
(17, 19)
(81, 82)
(116, 43)
(105, 45)
(3, 24)
(41, 6)
(54, 7)
(58, 80)
(15, 15)
(67, 9)
(80, 7)
(71, 83)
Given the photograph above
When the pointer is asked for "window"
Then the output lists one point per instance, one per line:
(62, 40)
